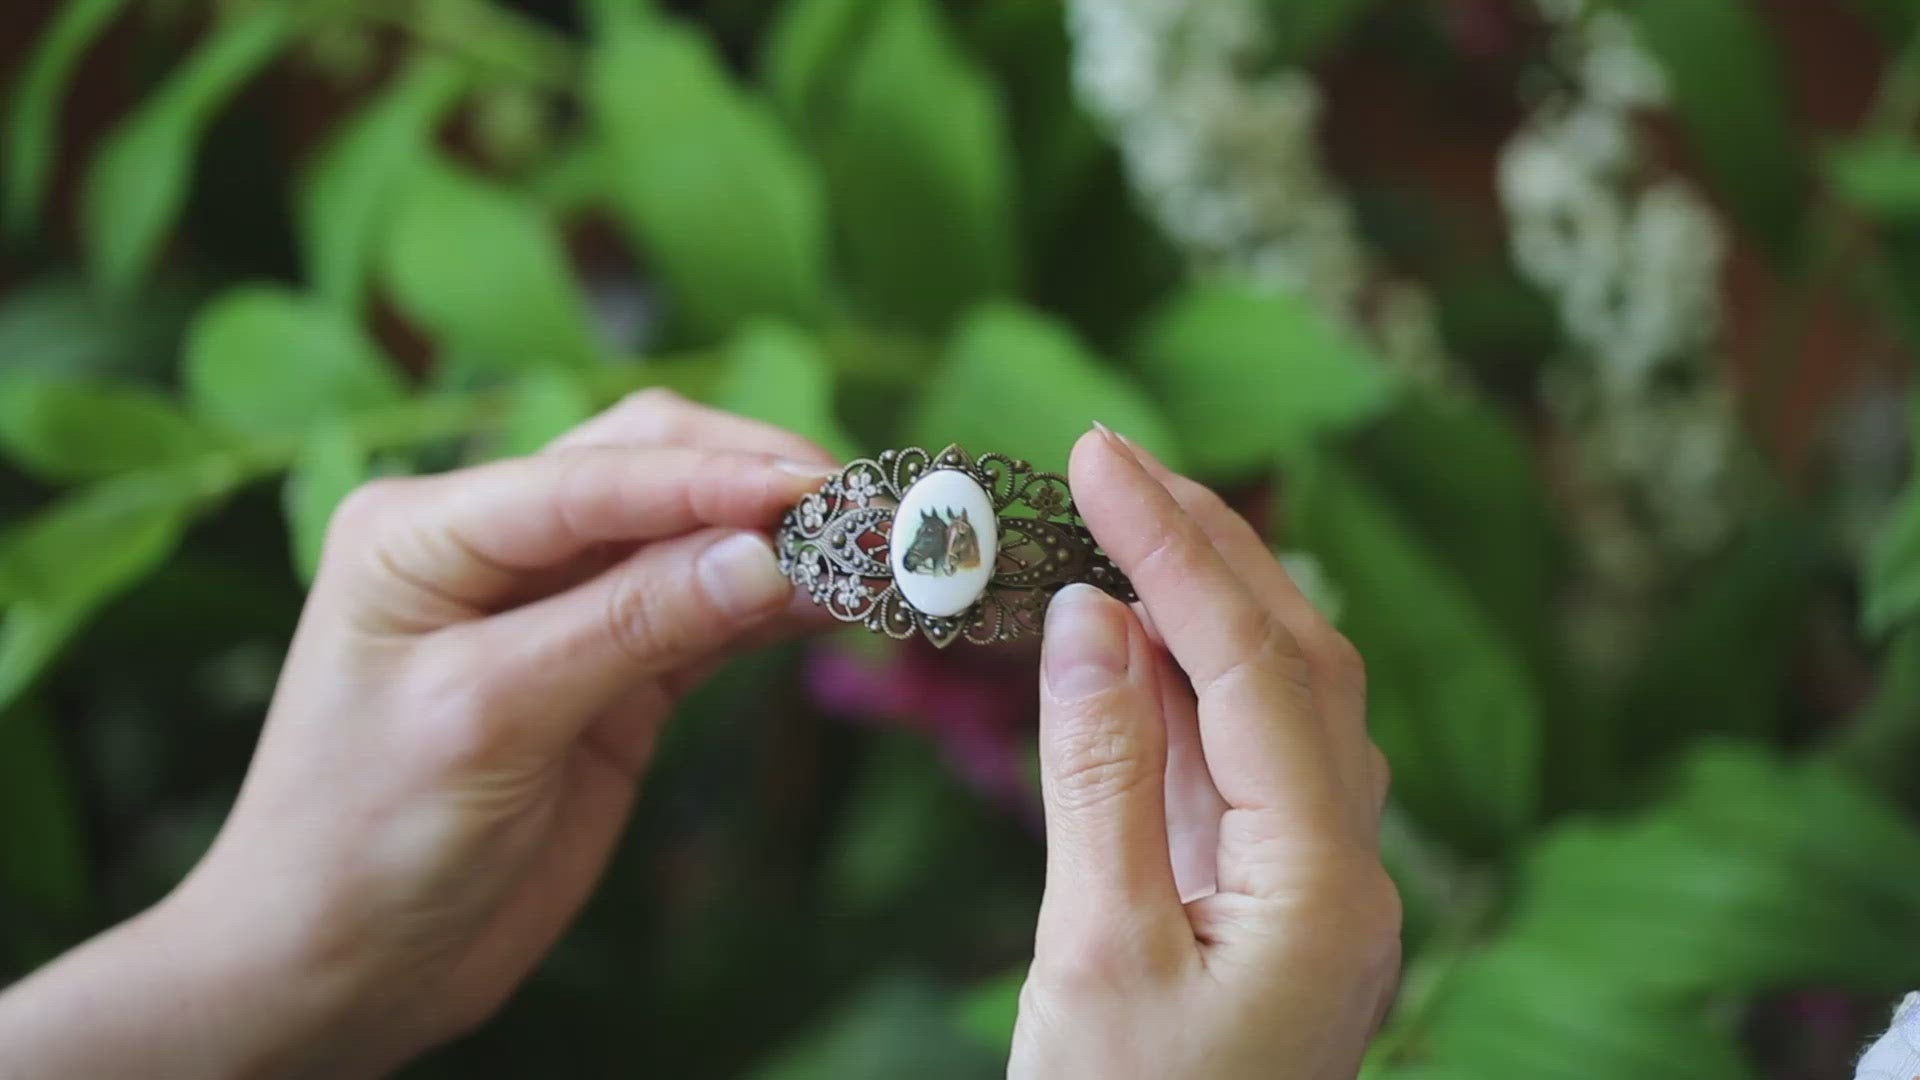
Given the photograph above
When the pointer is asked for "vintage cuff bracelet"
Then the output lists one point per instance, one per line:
(942, 544)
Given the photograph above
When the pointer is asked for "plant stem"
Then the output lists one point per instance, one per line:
(486, 35)
(436, 417)
(408, 423)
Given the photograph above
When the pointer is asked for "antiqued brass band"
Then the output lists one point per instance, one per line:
(952, 575)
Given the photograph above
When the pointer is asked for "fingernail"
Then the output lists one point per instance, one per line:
(741, 575)
(1116, 440)
(1140, 453)
(805, 468)
(1086, 643)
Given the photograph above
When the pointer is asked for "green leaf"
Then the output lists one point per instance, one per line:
(67, 430)
(1881, 741)
(545, 405)
(331, 464)
(717, 200)
(1247, 377)
(57, 568)
(483, 271)
(33, 114)
(1729, 93)
(904, 802)
(1512, 1014)
(1305, 29)
(1449, 700)
(1721, 660)
(262, 361)
(1018, 383)
(807, 54)
(43, 858)
(137, 183)
(1892, 583)
(1465, 483)
(1464, 479)
(1629, 943)
(775, 373)
(920, 171)
(1893, 18)
(348, 196)
(989, 1011)
(58, 325)
(602, 16)
(900, 1026)
(1880, 179)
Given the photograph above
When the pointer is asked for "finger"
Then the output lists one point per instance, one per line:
(1339, 681)
(1265, 748)
(659, 417)
(672, 605)
(465, 541)
(1382, 775)
(1194, 805)
(1102, 763)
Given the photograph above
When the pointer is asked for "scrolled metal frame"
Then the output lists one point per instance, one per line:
(835, 544)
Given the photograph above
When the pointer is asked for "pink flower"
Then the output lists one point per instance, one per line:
(978, 705)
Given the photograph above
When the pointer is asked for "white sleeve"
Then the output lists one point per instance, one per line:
(1897, 1055)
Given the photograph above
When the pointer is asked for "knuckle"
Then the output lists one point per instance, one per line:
(363, 524)
(1340, 659)
(362, 508)
(581, 492)
(1272, 653)
(656, 412)
(1097, 761)
(1255, 635)
(652, 399)
(459, 726)
(1358, 896)
(1087, 965)
(639, 624)
(1171, 557)
(1095, 961)
(1377, 911)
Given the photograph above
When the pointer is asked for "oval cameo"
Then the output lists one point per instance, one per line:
(944, 543)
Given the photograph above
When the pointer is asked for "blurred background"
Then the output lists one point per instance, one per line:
(1559, 346)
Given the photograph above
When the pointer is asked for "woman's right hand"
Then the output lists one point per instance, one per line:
(1245, 741)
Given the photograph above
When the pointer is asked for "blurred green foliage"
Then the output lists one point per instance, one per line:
(880, 222)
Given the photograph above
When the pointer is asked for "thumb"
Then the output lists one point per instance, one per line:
(672, 604)
(1103, 753)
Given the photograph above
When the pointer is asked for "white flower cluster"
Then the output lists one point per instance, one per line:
(1224, 161)
(1632, 260)
(1221, 146)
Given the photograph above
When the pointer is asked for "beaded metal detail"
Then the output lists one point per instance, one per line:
(838, 544)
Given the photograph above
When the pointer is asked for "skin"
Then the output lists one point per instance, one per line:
(1215, 904)
(474, 693)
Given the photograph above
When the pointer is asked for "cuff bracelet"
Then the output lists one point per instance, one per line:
(943, 545)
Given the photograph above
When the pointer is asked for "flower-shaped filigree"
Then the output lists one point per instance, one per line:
(861, 487)
(813, 511)
(812, 565)
(835, 545)
(851, 592)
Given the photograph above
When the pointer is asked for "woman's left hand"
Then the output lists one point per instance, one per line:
(469, 703)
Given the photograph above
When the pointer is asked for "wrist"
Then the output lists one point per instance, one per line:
(243, 988)
(185, 988)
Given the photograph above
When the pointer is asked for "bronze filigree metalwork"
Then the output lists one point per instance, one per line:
(836, 543)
